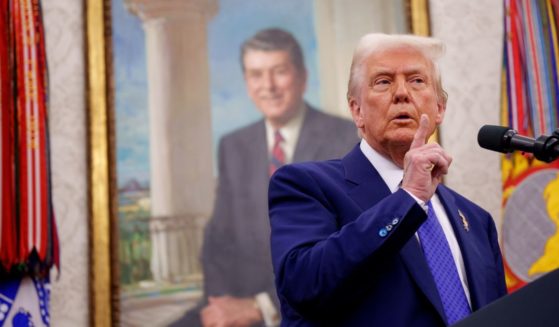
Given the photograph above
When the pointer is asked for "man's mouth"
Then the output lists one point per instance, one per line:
(271, 98)
(402, 117)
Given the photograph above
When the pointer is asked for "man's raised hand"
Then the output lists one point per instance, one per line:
(424, 164)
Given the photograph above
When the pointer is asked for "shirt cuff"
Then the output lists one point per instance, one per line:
(418, 200)
(268, 309)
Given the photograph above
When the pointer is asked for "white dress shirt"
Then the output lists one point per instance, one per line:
(392, 175)
(289, 132)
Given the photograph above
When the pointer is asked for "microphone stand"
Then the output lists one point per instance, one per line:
(546, 148)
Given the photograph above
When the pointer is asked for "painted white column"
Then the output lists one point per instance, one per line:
(181, 180)
(338, 29)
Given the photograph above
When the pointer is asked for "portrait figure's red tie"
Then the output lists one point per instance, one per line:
(277, 157)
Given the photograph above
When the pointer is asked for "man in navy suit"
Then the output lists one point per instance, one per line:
(374, 239)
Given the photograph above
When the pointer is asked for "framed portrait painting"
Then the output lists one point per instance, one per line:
(166, 83)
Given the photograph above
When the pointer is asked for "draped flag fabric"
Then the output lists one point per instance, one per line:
(530, 104)
(28, 236)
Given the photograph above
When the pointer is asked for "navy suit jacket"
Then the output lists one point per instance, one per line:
(332, 266)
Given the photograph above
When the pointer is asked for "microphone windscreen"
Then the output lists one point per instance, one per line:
(491, 137)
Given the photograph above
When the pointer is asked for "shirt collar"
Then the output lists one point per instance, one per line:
(290, 133)
(390, 173)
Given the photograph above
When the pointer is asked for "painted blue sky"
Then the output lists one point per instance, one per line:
(231, 108)
(131, 102)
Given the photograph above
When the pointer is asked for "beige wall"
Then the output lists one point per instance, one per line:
(471, 29)
(65, 51)
(338, 29)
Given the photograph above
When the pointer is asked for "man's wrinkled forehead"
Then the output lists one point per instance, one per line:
(386, 61)
(248, 56)
(375, 42)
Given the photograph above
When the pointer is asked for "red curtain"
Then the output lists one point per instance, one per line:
(28, 237)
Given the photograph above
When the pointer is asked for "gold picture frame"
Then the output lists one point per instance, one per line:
(104, 287)
(103, 274)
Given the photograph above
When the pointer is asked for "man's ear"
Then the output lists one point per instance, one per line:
(441, 109)
(356, 112)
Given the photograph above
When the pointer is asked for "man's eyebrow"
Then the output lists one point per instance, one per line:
(278, 65)
(407, 71)
(382, 71)
(253, 70)
(416, 70)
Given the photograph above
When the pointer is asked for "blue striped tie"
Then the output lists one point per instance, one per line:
(440, 261)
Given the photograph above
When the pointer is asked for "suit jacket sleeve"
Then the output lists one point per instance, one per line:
(500, 270)
(223, 274)
(216, 254)
(321, 266)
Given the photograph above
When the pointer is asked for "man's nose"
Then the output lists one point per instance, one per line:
(401, 94)
(269, 82)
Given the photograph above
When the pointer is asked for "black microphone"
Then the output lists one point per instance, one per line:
(505, 140)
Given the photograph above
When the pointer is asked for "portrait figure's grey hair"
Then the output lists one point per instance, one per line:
(369, 44)
(275, 39)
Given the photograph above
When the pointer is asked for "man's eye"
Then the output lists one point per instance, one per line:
(281, 70)
(381, 84)
(418, 80)
(254, 75)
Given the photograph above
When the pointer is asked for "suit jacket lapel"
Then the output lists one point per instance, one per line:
(307, 144)
(413, 257)
(369, 190)
(470, 252)
(257, 153)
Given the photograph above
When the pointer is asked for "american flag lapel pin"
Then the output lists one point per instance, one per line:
(464, 221)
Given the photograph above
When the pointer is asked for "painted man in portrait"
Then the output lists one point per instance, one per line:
(238, 279)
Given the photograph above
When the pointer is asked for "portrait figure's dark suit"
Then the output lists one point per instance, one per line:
(236, 251)
(332, 265)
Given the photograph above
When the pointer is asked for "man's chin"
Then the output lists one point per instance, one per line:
(402, 138)
(402, 133)
(273, 111)
(278, 116)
